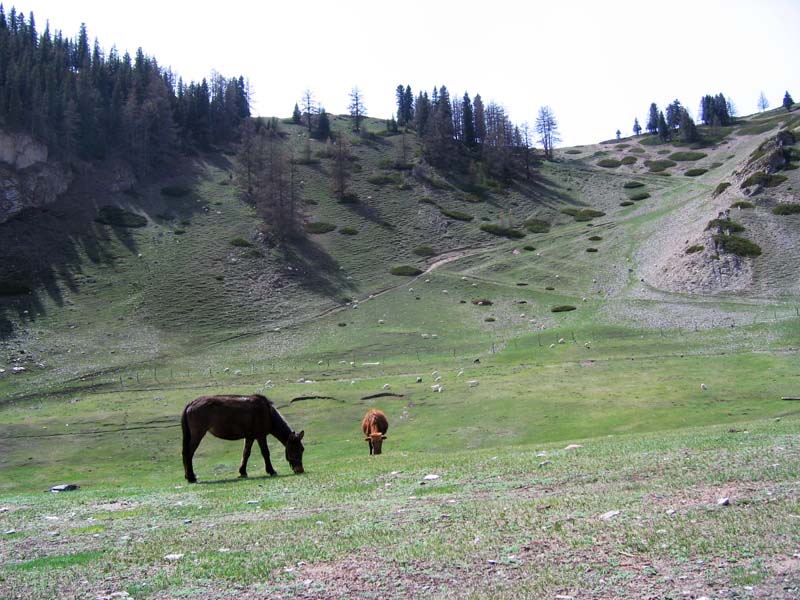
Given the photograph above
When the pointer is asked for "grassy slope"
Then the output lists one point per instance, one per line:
(138, 337)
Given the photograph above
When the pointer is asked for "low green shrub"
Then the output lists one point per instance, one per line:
(656, 166)
(725, 224)
(737, 245)
(175, 191)
(406, 270)
(253, 253)
(178, 231)
(721, 187)
(629, 160)
(583, 214)
(482, 302)
(351, 198)
(595, 238)
(502, 231)
(119, 217)
(742, 204)
(320, 227)
(14, 288)
(765, 179)
(786, 209)
(456, 214)
(240, 243)
(384, 179)
(653, 140)
(695, 248)
(529, 248)
(626, 203)
(695, 172)
(348, 231)
(562, 308)
(609, 163)
(639, 196)
(573, 151)
(424, 251)
(637, 150)
(537, 225)
(490, 319)
(629, 185)
(549, 288)
(686, 156)
(426, 200)
(591, 249)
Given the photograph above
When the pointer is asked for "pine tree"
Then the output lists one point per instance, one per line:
(547, 128)
(297, 116)
(408, 106)
(400, 95)
(357, 109)
(480, 120)
(323, 128)
(637, 129)
(652, 120)
(619, 134)
(673, 116)
(664, 131)
(688, 128)
(787, 101)
(468, 120)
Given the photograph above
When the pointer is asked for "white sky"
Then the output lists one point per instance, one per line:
(597, 63)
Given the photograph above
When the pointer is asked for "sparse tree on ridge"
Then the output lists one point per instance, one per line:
(547, 128)
(323, 128)
(673, 116)
(787, 101)
(637, 129)
(619, 134)
(340, 171)
(297, 116)
(357, 109)
(763, 103)
(309, 107)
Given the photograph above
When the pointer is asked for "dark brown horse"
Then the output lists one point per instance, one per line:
(234, 418)
(375, 425)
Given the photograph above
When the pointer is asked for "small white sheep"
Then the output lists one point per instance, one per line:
(437, 388)
(386, 386)
(438, 379)
(460, 373)
(472, 383)
(703, 387)
(434, 374)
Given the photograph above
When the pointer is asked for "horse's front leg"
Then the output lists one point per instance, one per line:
(262, 443)
(248, 444)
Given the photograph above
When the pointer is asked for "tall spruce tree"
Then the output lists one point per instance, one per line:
(468, 119)
(637, 129)
(652, 119)
(787, 101)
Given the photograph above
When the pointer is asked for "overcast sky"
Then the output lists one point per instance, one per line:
(597, 64)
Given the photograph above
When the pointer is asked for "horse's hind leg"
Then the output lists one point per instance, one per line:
(262, 443)
(248, 444)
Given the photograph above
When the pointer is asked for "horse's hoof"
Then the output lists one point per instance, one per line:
(242, 475)
(191, 479)
(272, 473)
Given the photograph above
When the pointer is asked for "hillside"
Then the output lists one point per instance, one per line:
(589, 458)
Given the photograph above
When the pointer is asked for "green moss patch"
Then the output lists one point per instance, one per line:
(765, 179)
(626, 203)
(424, 251)
(591, 249)
(630, 185)
(639, 196)
(695, 172)
(240, 243)
(629, 160)
(119, 217)
(721, 187)
(348, 231)
(426, 200)
(595, 238)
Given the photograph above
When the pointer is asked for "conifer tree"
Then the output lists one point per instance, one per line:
(787, 101)
(408, 105)
(652, 120)
(357, 109)
(323, 128)
(664, 131)
(468, 120)
(297, 116)
(480, 120)
(637, 129)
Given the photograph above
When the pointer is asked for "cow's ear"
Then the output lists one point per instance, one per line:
(383, 437)
(366, 439)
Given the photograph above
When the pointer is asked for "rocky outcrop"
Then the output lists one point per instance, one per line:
(27, 178)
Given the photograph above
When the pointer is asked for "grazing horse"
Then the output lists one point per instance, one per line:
(234, 418)
(375, 425)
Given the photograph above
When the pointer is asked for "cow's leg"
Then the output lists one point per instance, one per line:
(248, 444)
(191, 440)
(262, 443)
(370, 447)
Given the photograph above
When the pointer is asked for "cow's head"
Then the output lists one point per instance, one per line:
(375, 440)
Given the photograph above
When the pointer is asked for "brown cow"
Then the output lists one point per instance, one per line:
(375, 425)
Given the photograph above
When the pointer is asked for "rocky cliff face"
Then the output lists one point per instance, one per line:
(27, 178)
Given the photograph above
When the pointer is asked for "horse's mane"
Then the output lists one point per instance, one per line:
(280, 428)
(262, 397)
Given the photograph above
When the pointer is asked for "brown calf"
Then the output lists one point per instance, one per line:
(375, 425)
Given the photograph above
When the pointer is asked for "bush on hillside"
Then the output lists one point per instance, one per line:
(629, 185)
(348, 231)
(695, 172)
(384, 179)
(595, 238)
(424, 251)
(529, 248)
(695, 248)
(13, 288)
(629, 160)
(563, 308)
(583, 214)
(537, 225)
(502, 231)
(119, 217)
(626, 203)
(725, 225)
(406, 270)
(639, 196)
(685, 156)
(721, 188)
(240, 243)
(656, 166)
(320, 227)
(456, 214)
(786, 209)
(609, 163)
(591, 249)
(426, 200)
(765, 179)
(742, 204)
(737, 245)
(482, 302)
(573, 151)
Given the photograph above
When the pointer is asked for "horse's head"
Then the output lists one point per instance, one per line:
(294, 451)
(376, 439)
